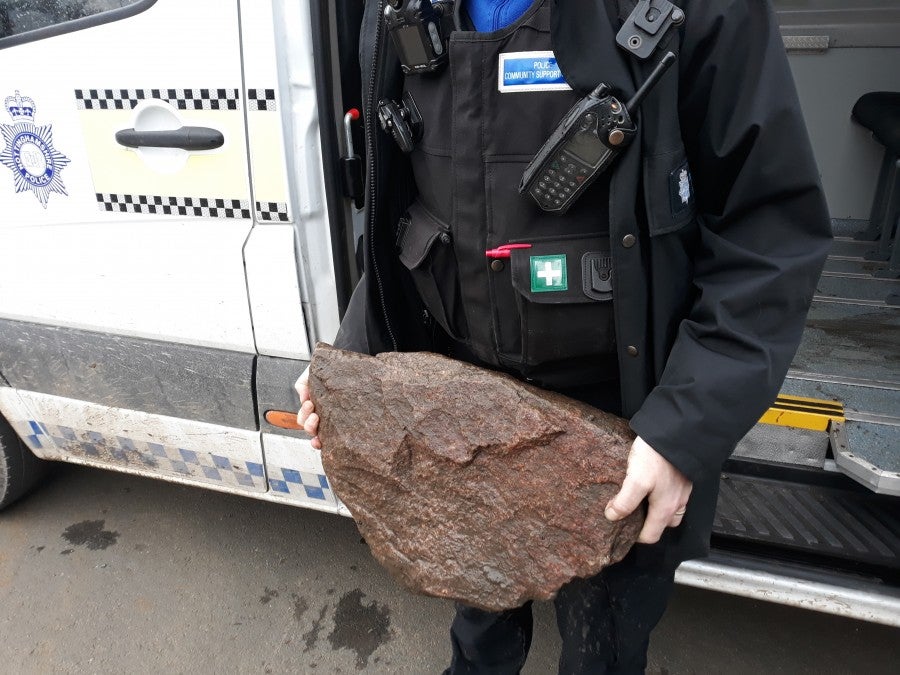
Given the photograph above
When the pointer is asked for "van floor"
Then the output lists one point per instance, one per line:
(782, 494)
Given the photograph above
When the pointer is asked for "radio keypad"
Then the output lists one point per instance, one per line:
(560, 181)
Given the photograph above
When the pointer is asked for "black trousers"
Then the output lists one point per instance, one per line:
(604, 623)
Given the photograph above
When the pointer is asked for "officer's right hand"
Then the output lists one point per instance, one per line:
(307, 417)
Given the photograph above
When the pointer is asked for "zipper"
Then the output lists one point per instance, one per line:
(370, 149)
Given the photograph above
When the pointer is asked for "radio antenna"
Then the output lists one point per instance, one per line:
(638, 98)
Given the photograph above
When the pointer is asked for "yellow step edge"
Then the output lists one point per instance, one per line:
(804, 413)
(811, 402)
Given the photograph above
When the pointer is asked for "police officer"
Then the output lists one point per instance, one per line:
(673, 291)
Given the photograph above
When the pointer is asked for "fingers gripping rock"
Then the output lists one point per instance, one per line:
(466, 483)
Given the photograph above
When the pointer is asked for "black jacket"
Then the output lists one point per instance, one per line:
(711, 300)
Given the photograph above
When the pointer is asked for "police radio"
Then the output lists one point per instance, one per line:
(584, 144)
(419, 30)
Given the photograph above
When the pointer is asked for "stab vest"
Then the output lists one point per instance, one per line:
(522, 289)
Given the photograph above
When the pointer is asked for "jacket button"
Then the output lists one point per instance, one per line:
(628, 240)
(632, 350)
(445, 238)
(497, 265)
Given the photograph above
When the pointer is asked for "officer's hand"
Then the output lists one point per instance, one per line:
(307, 417)
(650, 475)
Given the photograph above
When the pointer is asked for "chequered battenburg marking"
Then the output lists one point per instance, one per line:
(207, 207)
(149, 455)
(261, 99)
(37, 430)
(268, 212)
(182, 99)
(312, 485)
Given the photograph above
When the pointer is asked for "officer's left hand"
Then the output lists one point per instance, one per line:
(667, 490)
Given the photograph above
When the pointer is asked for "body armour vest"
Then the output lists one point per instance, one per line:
(524, 290)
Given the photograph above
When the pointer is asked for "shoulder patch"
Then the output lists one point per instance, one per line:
(681, 189)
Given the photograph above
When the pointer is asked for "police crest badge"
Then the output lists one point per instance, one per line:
(29, 153)
(681, 189)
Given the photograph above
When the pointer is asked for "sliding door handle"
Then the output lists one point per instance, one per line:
(186, 138)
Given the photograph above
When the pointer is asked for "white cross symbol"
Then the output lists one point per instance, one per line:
(548, 274)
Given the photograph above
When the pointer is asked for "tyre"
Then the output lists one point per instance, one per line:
(20, 470)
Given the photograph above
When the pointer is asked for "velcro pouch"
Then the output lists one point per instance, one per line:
(564, 270)
(425, 247)
(564, 286)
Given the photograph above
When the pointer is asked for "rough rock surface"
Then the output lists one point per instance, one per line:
(466, 483)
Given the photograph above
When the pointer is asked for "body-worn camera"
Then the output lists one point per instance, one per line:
(584, 144)
(419, 30)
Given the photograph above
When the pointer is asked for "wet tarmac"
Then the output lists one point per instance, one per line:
(108, 573)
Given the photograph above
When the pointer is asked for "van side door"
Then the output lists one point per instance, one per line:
(126, 337)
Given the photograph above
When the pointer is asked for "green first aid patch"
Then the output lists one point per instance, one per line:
(548, 273)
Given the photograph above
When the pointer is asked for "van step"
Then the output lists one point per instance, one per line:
(848, 228)
(785, 445)
(858, 396)
(823, 590)
(850, 341)
(846, 247)
(858, 289)
(867, 451)
(882, 442)
(821, 519)
(803, 412)
(855, 266)
(848, 355)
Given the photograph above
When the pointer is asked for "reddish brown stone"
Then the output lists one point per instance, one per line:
(466, 483)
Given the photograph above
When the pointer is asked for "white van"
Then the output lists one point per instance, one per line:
(178, 225)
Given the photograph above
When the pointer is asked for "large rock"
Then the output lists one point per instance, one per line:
(466, 483)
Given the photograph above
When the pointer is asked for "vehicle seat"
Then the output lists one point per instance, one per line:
(879, 112)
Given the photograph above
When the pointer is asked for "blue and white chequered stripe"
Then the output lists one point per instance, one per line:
(167, 459)
(293, 482)
(148, 455)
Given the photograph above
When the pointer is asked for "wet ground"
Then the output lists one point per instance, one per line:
(108, 573)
